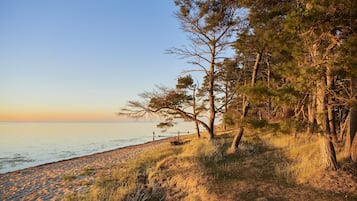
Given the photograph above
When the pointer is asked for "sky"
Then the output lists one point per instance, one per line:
(82, 60)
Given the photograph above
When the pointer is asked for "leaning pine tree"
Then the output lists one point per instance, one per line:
(210, 26)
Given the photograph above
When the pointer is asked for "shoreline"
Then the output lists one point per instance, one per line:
(86, 155)
(48, 181)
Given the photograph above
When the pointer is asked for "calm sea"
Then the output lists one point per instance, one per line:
(25, 145)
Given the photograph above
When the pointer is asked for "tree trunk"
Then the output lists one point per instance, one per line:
(255, 68)
(311, 110)
(245, 105)
(329, 154)
(197, 128)
(328, 150)
(236, 140)
(330, 109)
(269, 100)
(212, 109)
(352, 123)
(331, 118)
(354, 148)
(195, 113)
(238, 137)
(351, 132)
(321, 116)
(344, 123)
(225, 102)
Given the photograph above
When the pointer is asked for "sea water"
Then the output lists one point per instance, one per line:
(25, 145)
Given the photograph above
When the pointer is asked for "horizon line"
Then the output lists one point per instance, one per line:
(84, 121)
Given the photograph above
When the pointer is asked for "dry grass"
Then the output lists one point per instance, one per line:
(128, 181)
(305, 165)
(267, 167)
(277, 167)
(182, 175)
(202, 149)
(303, 155)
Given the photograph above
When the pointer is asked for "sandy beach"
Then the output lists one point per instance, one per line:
(55, 180)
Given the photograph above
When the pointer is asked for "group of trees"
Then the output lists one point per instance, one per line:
(265, 61)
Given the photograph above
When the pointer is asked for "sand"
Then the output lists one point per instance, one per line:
(56, 180)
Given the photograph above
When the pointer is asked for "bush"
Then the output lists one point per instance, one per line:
(256, 123)
(290, 126)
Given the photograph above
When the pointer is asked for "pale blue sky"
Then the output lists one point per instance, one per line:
(81, 58)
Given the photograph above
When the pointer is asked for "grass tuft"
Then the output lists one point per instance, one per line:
(87, 172)
(68, 177)
(202, 149)
(130, 180)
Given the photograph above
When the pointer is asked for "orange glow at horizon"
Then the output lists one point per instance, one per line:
(56, 115)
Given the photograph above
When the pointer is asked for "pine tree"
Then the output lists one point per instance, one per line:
(210, 25)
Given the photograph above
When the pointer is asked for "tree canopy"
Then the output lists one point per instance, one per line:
(293, 61)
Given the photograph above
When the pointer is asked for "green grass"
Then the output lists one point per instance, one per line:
(68, 177)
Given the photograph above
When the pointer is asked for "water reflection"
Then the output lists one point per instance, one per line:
(28, 144)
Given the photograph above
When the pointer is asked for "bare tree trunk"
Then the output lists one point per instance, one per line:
(351, 132)
(245, 106)
(240, 133)
(197, 128)
(195, 113)
(331, 119)
(321, 116)
(354, 148)
(330, 101)
(329, 154)
(343, 128)
(212, 109)
(236, 140)
(352, 124)
(225, 103)
(311, 110)
(255, 68)
(268, 82)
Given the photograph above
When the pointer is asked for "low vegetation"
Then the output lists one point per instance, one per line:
(268, 166)
(68, 177)
(284, 74)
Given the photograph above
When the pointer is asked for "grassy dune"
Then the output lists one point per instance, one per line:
(267, 167)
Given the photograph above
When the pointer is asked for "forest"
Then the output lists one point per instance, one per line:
(270, 87)
(265, 64)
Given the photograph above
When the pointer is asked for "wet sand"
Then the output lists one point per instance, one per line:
(54, 181)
